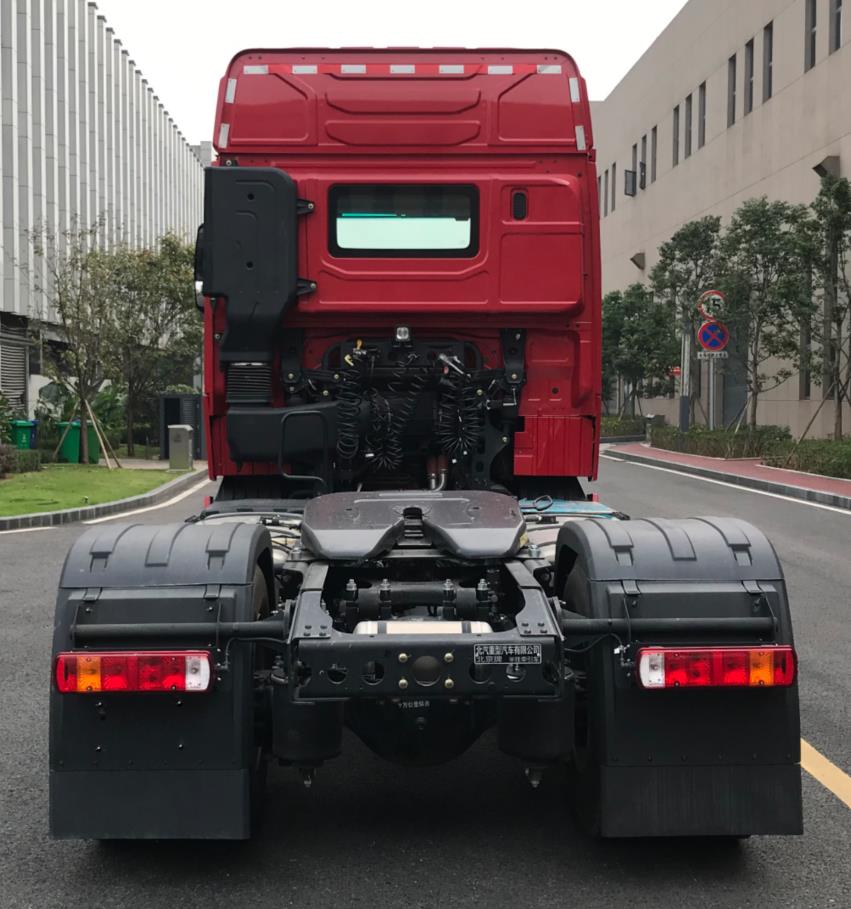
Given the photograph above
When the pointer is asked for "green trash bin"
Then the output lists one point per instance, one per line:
(69, 450)
(21, 433)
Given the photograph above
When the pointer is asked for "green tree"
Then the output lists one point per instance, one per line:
(766, 259)
(639, 343)
(831, 359)
(688, 266)
(75, 282)
(157, 334)
(613, 324)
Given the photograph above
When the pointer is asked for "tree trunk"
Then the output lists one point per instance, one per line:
(84, 432)
(754, 389)
(131, 450)
(832, 345)
(838, 401)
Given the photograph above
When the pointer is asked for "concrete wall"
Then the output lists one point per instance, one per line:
(83, 137)
(769, 151)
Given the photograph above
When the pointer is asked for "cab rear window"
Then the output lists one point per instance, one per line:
(410, 221)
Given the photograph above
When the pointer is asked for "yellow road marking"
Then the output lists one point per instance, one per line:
(828, 774)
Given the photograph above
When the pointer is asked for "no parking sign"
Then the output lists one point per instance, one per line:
(713, 336)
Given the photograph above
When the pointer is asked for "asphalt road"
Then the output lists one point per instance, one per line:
(469, 833)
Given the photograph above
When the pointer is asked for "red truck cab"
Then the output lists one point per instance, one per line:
(449, 195)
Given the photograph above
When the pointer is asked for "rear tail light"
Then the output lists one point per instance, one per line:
(131, 670)
(716, 667)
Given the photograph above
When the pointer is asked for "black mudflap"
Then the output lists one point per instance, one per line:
(161, 765)
(703, 762)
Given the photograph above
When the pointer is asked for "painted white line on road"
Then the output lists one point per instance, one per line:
(26, 530)
(174, 501)
(759, 492)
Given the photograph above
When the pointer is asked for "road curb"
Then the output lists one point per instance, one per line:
(792, 492)
(71, 515)
(622, 440)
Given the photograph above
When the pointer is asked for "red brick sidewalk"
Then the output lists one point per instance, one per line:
(746, 470)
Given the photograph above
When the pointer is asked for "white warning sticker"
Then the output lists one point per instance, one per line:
(484, 654)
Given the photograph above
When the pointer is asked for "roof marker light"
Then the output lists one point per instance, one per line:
(224, 132)
(256, 70)
(768, 666)
(581, 143)
(575, 94)
(499, 69)
(549, 69)
(304, 69)
(353, 68)
(230, 92)
(451, 69)
(91, 672)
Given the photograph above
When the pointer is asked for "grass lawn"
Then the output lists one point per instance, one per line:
(153, 452)
(61, 486)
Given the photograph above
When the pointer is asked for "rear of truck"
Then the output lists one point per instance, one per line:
(400, 273)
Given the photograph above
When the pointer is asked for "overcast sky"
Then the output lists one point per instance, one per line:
(183, 46)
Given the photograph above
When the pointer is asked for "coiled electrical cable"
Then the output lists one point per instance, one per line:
(472, 416)
(460, 416)
(349, 399)
(378, 434)
(405, 388)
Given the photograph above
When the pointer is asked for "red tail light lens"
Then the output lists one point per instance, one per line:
(716, 667)
(130, 670)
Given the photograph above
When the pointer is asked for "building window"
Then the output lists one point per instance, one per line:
(749, 67)
(614, 186)
(642, 172)
(835, 25)
(701, 115)
(654, 137)
(676, 149)
(768, 61)
(731, 90)
(810, 35)
(689, 119)
(606, 195)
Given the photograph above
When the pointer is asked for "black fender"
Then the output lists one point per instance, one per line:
(162, 765)
(692, 761)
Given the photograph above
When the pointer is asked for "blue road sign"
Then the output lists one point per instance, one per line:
(713, 335)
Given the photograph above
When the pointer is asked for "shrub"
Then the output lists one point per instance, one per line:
(823, 456)
(611, 427)
(720, 443)
(6, 459)
(26, 461)
(18, 460)
(6, 416)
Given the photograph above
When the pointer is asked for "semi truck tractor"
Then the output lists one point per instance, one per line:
(399, 275)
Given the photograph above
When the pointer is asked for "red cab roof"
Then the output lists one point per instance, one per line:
(402, 100)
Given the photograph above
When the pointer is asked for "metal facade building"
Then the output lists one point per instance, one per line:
(84, 138)
(732, 101)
